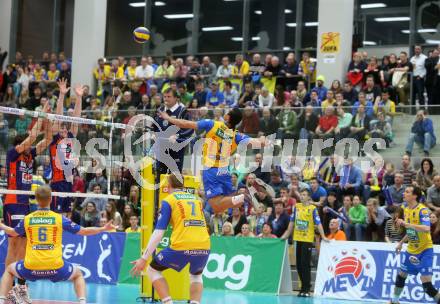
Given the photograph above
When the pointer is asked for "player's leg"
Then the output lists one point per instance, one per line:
(159, 283)
(300, 266)
(429, 288)
(79, 284)
(22, 291)
(398, 287)
(197, 264)
(426, 260)
(6, 282)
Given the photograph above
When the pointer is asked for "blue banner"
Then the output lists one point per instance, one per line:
(367, 271)
(99, 256)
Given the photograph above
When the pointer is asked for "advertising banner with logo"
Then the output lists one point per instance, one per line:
(367, 271)
(247, 264)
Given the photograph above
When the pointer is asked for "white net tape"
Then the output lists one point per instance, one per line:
(63, 194)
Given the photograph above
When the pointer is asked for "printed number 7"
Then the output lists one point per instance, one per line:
(42, 234)
(193, 208)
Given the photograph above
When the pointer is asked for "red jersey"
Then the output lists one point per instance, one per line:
(60, 155)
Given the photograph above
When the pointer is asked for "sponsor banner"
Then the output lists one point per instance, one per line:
(367, 271)
(245, 264)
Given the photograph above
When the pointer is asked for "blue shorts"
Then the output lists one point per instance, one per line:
(14, 213)
(418, 263)
(61, 204)
(217, 181)
(177, 260)
(55, 275)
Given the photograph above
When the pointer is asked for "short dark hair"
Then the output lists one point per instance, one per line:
(174, 181)
(235, 117)
(181, 86)
(228, 83)
(19, 139)
(170, 90)
(306, 190)
(332, 193)
(96, 185)
(416, 191)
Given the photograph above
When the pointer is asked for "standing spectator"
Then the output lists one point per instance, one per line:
(207, 70)
(180, 71)
(431, 78)
(393, 232)
(287, 123)
(335, 233)
(4, 132)
(90, 215)
(433, 194)
(307, 69)
(422, 132)
(134, 225)
(401, 78)
(130, 70)
(225, 70)
(163, 73)
(194, 74)
(65, 72)
(425, 174)
(237, 219)
(419, 73)
(344, 211)
(327, 214)
(290, 72)
(214, 98)
(279, 221)
(328, 176)
(267, 232)
(376, 219)
(304, 220)
(358, 218)
(256, 69)
(230, 95)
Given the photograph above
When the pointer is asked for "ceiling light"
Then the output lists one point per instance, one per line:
(241, 38)
(287, 11)
(430, 41)
(159, 3)
(369, 43)
(137, 4)
(373, 5)
(391, 19)
(291, 24)
(217, 28)
(258, 12)
(428, 30)
(179, 16)
(286, 48)
(312, 23)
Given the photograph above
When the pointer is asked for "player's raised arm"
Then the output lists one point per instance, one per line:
(62, 85)
(79, 91)
(181, 123)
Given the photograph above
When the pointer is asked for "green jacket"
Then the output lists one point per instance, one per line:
(358, 214)
(287, 120)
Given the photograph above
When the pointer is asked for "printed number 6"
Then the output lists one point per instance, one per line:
(42, 234)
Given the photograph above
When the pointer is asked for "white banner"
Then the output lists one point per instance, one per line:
(366, 271)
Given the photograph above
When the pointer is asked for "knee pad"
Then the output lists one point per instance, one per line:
(400, 281)
(153, 274)
(429, 289)
(196, 278)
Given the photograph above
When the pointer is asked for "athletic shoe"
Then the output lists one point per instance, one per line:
(22, 294)
(306, 295)
(300, 294)
(391, 302)
(11, 297)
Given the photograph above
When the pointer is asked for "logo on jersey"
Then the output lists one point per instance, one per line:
(348, 271)
(42, 221)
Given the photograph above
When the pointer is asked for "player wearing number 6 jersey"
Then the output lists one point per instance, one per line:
(221, 141)
(190, 243)
(44, 255)
(419, 255)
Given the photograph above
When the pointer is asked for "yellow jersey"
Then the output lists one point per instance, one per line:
(44, 232)
(53, 76)
(130, 73)
(130, 230)
(305, 218)
(102, 75)
(220, 143)
(39, 75)
(184, 212)
(417, 241)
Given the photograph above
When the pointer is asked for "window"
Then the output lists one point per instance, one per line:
(290, 31)
(65, 26)
(310, 24)
(428, 23)
(220, 26)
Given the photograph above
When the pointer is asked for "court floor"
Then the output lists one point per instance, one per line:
(62, 293)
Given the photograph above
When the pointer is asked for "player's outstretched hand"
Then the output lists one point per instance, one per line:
(79, 90)
(324, 239)
(164, 115)
(399, 247)
(62, 85)
(138, 267)
(109, 226)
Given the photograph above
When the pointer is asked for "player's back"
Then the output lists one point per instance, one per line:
(190, 231)
(44, 232)
(418, 241)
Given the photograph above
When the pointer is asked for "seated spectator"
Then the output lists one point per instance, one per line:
(163, 73)
(134, 198)
(360, 125)
(356, 69)
(208, 70)
(382, 129)
(98, 202)
(265, 99)
(386, 106)
(110, 213)
(409, 174)
(287, 123)
(320, 88)
(308, 122)
(308, 171)
(344, 211)
(307, 69)
(296, 186)
(393, 232)
(247, 96)
(268, 123)
(184, 96)
(351, 179)
(376, 219)
(257, 220)
(394, 193)
(98, 179)
(237, 219)
(227, 229)
(90, 215)
(289, 167)
(327, 124)
(279, 220)
(245, 231)
(327, 215)
(344, 123)
(238, 167)
(349, 93)
(329, 100)
(317, 193)
(388, 176)
(336, 87)
(235, 183)
(130, 71)
(374, 179)
(260, 172)
(134, 225)
(290, 71)
(315, 103)
(372, 91)
(433, 194)
(4, 132)
(263, 197)
(435, 227)
(22, 124)
(224, 71)
(328, 175)
(358, 218)
(267, 232)
(250, 124)
(240, 69)
(127, 214)
(276, 182)
(368, 105)
(231, 95)
(214, 97)
(216, 223)
(288, 202)
(425, 174)
(301, 92)
(335, 233)
(422, 133)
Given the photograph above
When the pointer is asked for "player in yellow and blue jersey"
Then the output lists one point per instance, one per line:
(190, 243)
(419, 255)
(44, 254)
(221, 141)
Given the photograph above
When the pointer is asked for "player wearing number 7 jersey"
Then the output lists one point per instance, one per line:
(44, 254)
(190, 243)
(221, 141)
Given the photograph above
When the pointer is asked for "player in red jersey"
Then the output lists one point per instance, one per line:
(19, 166)
(61, 151)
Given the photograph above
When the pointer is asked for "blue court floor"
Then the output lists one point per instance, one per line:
(62, 293)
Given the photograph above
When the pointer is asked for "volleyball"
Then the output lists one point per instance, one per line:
(141, 34)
